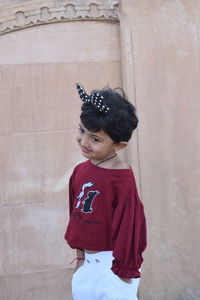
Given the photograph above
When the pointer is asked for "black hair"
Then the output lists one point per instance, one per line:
(119, 123)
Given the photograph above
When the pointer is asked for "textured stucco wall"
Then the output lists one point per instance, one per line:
(39, 110)
(160, 56)
(160, 62)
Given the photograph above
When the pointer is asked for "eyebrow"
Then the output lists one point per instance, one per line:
(93, 134)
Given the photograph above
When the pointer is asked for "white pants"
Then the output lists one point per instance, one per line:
(95, 280)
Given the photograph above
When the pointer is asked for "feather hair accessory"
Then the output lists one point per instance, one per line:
(96, 99)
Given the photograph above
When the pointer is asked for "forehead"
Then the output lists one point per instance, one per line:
(100, 133)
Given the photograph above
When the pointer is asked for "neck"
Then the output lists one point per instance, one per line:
(106, 159)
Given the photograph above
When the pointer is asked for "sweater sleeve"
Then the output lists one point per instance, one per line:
(128, 232)
(71, 194)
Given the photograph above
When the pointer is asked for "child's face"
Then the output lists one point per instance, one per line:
(95, 145)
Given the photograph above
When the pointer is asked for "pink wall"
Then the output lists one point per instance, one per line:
(39, 113)
(154, 53)
(160, 70)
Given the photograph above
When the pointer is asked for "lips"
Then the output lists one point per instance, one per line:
(86, 150)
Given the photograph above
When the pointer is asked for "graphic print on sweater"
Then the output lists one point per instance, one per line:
(87, 202)
(87, 208)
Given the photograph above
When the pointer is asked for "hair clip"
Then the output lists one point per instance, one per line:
(96, 99)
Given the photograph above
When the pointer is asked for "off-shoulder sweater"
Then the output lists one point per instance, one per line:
(106, 214)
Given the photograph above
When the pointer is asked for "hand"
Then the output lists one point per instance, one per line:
(127, 280)
(78, 265)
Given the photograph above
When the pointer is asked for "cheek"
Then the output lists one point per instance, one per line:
(78, 138)
(97, 148)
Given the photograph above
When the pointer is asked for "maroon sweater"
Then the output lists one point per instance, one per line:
(107, 214)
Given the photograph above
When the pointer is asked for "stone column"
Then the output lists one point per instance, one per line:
(160, 71)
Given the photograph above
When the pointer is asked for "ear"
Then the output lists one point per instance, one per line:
(120, 146)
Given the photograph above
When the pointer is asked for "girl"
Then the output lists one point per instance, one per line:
(107, 223)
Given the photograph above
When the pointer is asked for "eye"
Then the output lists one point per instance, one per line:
(81, 130)
(94, 139)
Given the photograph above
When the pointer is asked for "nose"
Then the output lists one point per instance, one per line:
(84, 141)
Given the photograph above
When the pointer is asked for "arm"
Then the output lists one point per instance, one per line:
(79, 254)
(128, 232)
(127, 280)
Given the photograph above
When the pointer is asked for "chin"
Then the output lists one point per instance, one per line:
(86, 155)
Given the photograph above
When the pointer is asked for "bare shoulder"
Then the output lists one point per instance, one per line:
(121, 164)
